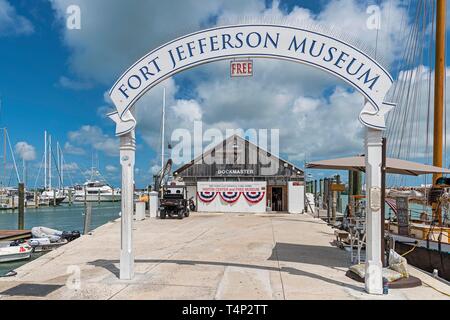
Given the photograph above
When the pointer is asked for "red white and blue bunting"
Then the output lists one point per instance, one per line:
(230, 196)
(254, 196)
(206, 196)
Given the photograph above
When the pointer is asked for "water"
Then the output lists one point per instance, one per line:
(415, 209)
(63, 217)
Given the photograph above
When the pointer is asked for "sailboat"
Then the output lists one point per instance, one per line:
(424, 240)
(9, 198)
(50, 196)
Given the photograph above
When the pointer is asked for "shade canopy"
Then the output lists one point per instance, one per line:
(393, 165)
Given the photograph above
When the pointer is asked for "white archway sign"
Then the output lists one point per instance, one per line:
(309, 47)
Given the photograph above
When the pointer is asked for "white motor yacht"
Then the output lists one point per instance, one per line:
(96, 191)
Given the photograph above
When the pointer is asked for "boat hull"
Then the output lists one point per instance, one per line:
(10, 254)
(96, 198)
(51, 201)
(49, 247)
(425, 258)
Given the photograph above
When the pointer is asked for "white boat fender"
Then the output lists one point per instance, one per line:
(38, 241)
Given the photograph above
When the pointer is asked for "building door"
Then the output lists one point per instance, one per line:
(277, 199)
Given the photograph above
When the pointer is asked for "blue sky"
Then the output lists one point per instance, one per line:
(46, 83)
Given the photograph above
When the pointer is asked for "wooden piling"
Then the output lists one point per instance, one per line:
(350, 188)
(87, 218)
(70, 196)
(333, 202)
(320, 198)
(327, 197)
(315, 189)
(339, 200)
(21, 217)
(357, 183)
(35, 198)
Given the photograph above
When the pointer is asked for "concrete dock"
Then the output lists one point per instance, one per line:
(205, 256)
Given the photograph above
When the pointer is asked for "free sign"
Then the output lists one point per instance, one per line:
(241, 68)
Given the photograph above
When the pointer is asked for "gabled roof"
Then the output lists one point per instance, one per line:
(209, 151)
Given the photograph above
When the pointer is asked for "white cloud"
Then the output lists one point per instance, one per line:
(25, 151)
(12, 23)
(93, 136)
(187, 110)
(72, 166)
(71, 149)
(74, 84)
(155, 169)
(113, 31)
(111, 168)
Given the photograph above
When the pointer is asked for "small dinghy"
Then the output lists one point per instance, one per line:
(44, 244)
(15, 253)
(47, 239)
(46, 233)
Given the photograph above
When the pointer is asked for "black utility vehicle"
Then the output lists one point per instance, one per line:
(173, 202)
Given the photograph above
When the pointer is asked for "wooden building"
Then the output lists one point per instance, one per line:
(239, 160)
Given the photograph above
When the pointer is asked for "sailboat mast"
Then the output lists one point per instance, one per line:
(439, 80)
(58, 165)
(45, 160)
(4, 152)
(61, 166)
(50, 162)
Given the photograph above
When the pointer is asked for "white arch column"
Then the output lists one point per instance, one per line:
(374, 268)
(127, 160)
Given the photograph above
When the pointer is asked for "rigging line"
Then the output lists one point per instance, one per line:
(418, 95)
(430, 75)
(403, 22)
(412, 55)
(68, 172)
(39, 172)
(12, 155)
(408, 88)
(56, 165)
(400, 89)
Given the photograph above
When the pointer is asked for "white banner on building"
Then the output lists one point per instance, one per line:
(227, 196)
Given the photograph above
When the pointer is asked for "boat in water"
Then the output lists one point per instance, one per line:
(15, 253)
(51, 197)
(96, 191)
(47, 239)
(9, 198)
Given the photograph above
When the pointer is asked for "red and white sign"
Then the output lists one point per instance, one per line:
(241, 68)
